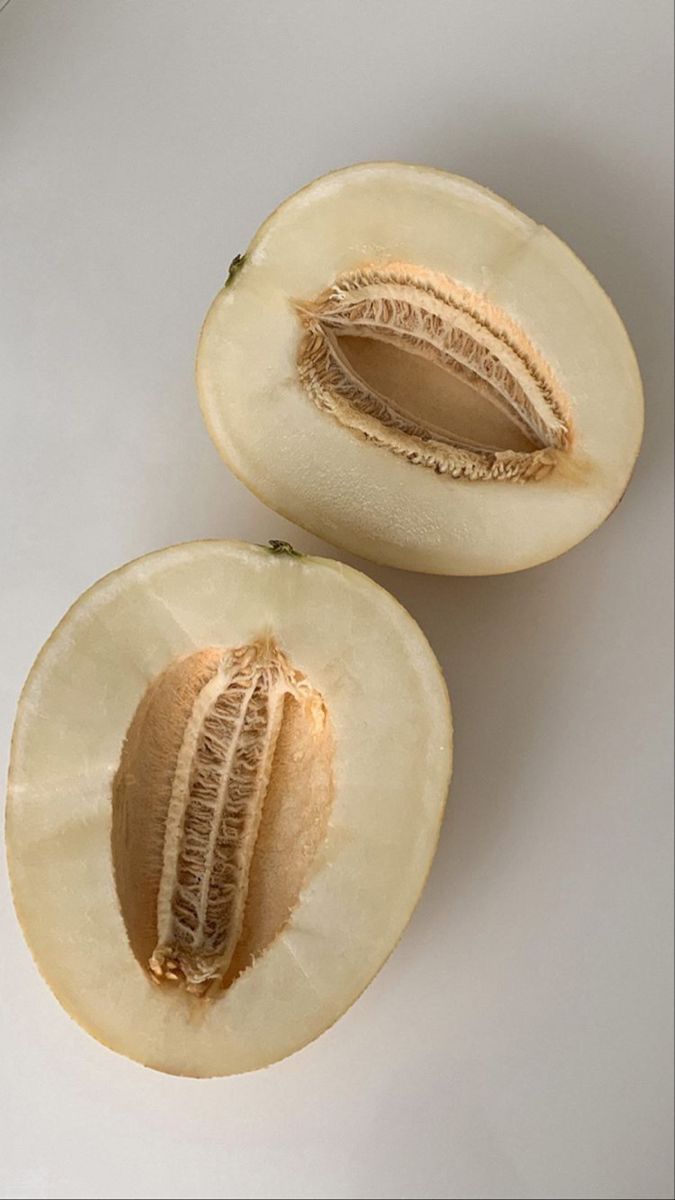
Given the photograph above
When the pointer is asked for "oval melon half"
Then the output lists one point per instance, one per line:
(228, 772)
(409, 367)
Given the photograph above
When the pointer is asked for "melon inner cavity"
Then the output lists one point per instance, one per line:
(419, 365)
(220, 802)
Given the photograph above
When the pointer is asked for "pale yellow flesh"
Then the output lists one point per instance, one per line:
(356, 493)
(390, 717)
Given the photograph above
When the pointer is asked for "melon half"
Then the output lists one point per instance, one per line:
(410, 368)
(228, 772)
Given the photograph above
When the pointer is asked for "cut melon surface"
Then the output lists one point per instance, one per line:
(228, 772)
(410, 368)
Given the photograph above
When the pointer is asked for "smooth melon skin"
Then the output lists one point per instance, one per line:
(390, 719)
(356, 493)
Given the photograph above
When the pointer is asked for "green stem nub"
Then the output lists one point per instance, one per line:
(234, 268)
(278, 547)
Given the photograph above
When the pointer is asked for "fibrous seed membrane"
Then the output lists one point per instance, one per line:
(204, 881)
(432, 317)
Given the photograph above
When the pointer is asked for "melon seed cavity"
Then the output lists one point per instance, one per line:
(421, 366)
(220, 802)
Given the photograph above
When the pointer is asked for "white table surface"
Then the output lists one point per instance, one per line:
(516, 1044)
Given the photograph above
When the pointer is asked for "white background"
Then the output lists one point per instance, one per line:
(517, 1043)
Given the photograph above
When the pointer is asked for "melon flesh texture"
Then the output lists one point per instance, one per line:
(348, 826)
(339, 479)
